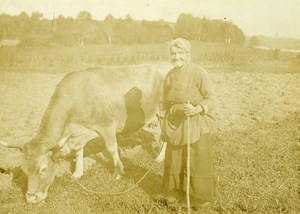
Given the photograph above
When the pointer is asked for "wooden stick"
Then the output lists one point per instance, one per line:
(188, 166)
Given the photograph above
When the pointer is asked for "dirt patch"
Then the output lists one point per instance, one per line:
(256, 165)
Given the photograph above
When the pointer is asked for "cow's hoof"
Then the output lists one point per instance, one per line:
(102, 157)
(77, 175)
(117, 176)
(159, 159)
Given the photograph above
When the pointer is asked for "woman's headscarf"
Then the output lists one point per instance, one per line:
(182, 44)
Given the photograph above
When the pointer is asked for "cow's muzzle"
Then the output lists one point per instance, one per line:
(36, 197)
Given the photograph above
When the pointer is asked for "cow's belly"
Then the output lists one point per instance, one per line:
(78, 136)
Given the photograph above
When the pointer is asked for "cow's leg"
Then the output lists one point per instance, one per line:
(78, 172)
(109, 135)
(77, 142)
(161, 156)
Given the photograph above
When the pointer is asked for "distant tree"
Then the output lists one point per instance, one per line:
(5, 25)
(166, 31)
(36, 16)
(23, 16)
(155, 31)
(128, 18)
(198, 29)
(35, 29)
(64, 31)
(35, 19)
(126, 31)
(84, 16)
(185, 26)
(203, 29)
(254, 41)
(238, 37)
(108, 26)
(84, 27)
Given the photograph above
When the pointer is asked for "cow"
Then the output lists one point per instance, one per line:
(102, 101)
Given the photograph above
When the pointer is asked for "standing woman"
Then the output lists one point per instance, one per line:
(188, 98)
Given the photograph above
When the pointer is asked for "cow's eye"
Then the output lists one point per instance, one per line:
(43, 171)
(25, 169)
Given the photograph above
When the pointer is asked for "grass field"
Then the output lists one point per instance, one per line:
(256, 151)
(204, 53)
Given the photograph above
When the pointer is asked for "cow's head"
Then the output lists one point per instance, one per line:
(39, 164)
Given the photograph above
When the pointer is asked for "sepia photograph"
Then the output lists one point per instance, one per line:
(150, 106)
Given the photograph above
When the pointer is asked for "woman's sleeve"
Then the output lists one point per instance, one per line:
(165, 88)
(206, 89)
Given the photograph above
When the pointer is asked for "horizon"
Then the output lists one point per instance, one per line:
(280, 20)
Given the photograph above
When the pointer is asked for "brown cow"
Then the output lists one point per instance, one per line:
(86, 104)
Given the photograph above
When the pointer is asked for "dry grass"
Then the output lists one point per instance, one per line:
(256, 153)
(203, 53)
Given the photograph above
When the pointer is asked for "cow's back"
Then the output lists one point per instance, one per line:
(125, 94)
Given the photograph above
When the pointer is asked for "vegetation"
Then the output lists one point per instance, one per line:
(256, 153)
(203, 29)
(256, 150)
(276, 42)
(35, 30)
(213, 56)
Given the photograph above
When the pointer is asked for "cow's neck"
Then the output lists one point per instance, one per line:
(53, 123)
(155, 96)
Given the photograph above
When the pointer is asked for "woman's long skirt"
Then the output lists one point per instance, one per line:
(202, 183)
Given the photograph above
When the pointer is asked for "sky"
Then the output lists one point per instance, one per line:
(254, 17)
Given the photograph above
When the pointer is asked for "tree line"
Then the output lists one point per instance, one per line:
(35, 30)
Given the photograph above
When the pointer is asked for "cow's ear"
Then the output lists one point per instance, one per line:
(56, 156)
(10, 145)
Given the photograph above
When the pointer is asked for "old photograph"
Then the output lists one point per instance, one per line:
(150, 106)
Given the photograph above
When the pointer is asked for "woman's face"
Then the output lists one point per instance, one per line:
(179, 57)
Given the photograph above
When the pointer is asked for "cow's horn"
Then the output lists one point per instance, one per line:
(60, 143)
(9, 145)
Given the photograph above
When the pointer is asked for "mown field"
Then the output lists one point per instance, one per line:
(256, 153)
(209, 54)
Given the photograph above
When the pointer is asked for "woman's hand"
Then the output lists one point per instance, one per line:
(191, 110)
